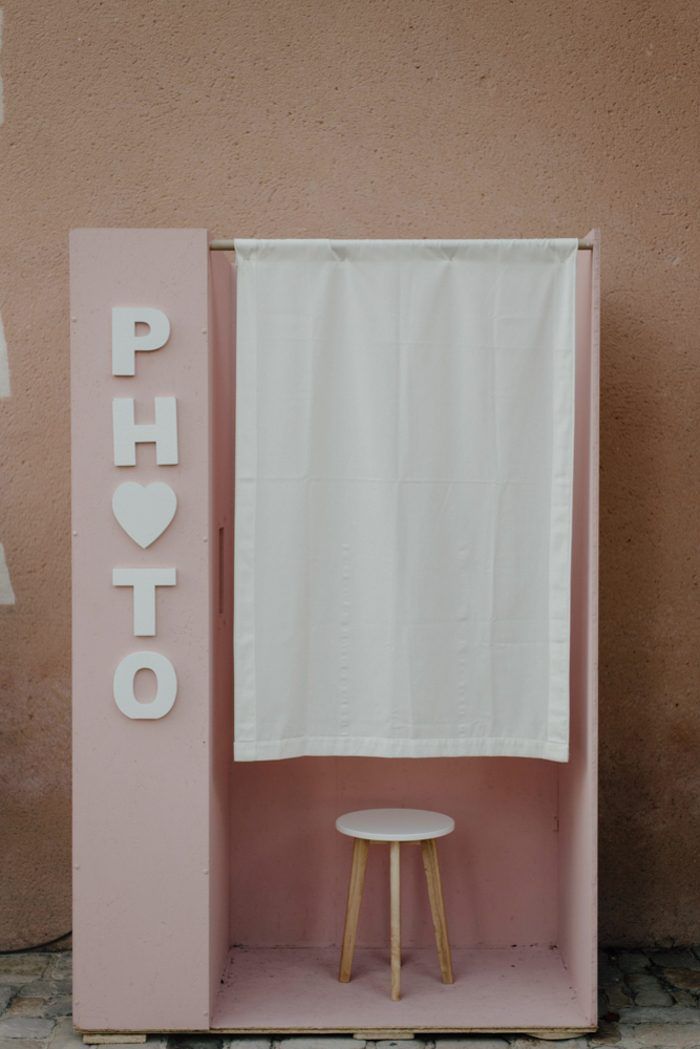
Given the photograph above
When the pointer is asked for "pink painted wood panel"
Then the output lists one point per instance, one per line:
(578, 780)
(141, 788)
(222, 363)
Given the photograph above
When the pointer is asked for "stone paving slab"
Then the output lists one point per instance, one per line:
(26, 1027)
(204, 1041)
(660, 1036)
(648, 989)
(475, 1042)
(324, 1042)
(649, 999)
(19, 1043)
(17, 970)
(678, 958)
(246, 1043)
(64, 1037)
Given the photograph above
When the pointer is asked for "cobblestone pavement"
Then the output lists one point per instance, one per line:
(647, 999)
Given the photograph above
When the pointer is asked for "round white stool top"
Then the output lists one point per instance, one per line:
(395, 824)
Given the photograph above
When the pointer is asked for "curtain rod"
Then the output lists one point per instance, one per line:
(229, 245)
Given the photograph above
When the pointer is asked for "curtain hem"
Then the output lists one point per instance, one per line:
(371, 747)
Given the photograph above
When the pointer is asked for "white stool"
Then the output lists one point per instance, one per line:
(391, 827)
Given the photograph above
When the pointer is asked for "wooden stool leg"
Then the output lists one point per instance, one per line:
(395, 887)
(437, 907)
(352, 911)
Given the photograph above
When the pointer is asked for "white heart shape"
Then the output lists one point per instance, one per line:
(144, 510)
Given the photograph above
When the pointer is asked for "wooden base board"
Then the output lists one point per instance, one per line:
(375, 1034)
(560, 1034)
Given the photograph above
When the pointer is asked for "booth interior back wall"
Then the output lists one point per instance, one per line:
(289, 866)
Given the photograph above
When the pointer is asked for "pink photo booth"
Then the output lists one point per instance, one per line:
(209, 895)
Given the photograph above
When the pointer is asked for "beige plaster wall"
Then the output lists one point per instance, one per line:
(370, 118)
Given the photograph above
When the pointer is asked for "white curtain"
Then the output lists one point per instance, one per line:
(404, 446)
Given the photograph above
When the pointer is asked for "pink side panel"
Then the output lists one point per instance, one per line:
(222, 364)
(141, 788)
(578, 779)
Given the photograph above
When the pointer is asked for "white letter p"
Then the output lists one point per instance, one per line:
(125, 341)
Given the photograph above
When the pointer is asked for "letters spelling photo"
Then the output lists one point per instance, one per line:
(143, 511)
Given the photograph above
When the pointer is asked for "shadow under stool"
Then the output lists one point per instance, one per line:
(393, 827)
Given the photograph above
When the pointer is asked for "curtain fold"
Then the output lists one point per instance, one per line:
(404, 451)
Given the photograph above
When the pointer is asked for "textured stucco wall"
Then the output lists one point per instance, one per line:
(439, 118)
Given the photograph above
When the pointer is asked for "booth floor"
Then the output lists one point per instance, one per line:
(648, 999)
(295, 988)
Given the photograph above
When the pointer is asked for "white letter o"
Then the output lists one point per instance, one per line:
(166, 685)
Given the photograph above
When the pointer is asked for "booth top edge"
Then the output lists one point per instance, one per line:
(229, 244)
